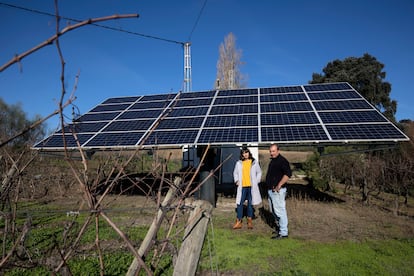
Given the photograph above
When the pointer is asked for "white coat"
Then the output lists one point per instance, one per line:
(255, 177)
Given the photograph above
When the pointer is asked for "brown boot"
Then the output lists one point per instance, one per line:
(249, 223)
(238, 224)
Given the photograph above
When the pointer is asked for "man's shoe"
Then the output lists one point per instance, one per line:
(279, 237)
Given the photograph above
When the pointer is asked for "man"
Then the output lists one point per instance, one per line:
(278, 173)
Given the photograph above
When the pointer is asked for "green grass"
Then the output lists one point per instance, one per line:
(253, 253)
(116, 263)
(244, 252)
(389, 257)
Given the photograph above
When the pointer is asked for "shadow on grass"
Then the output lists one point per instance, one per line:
(300, 191)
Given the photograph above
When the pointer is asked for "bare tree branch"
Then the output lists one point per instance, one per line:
(137, 256)
(50, 40)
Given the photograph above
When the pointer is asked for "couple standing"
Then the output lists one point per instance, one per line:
(247, 175)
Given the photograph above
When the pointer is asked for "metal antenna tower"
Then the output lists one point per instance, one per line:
(187, 67)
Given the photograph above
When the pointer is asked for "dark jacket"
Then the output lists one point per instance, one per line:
(278, 167)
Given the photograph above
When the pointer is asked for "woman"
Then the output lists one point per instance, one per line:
(247, 175)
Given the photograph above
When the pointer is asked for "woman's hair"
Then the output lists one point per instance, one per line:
(243, 150)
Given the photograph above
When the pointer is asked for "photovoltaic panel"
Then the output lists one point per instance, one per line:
(193, 102)
(285, 107)
(342, 105)
(334, 95)
(235, 100)
(192, 111)
(57, 141)
(232, 121)
(108, 139)
(371, 132)
(280, 119)
(313, 113)
(283, 97)
(228, 135)
(205, 94)
(181, 123)
(327, 86)
(237, 92)
(281, 90)
(121, 100)
(351, 117)
(233, 109)
(110, 107)
(141, 114)
(93, 117)
(294, 133)
(171, 137)
(84, 127)
(159, 97)
(147, 105)
(128, 125)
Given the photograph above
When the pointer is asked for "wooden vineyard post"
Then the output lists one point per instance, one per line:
(193, 240)
(133, 268)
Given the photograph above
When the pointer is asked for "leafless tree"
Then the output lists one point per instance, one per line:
(400, 169)
(372, 176)
(229, 64)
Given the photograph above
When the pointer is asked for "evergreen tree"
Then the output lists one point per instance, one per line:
(366, 75)
(14, 120)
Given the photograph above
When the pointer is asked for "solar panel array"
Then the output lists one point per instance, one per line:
(319, 113)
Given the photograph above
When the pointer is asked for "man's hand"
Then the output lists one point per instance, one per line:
(277, 188)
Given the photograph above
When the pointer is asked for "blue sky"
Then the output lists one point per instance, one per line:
(282, 43)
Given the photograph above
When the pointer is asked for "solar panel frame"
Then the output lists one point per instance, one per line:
(314, 113)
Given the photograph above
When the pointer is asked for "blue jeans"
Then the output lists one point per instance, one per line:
(246, 195)
(277, 203)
